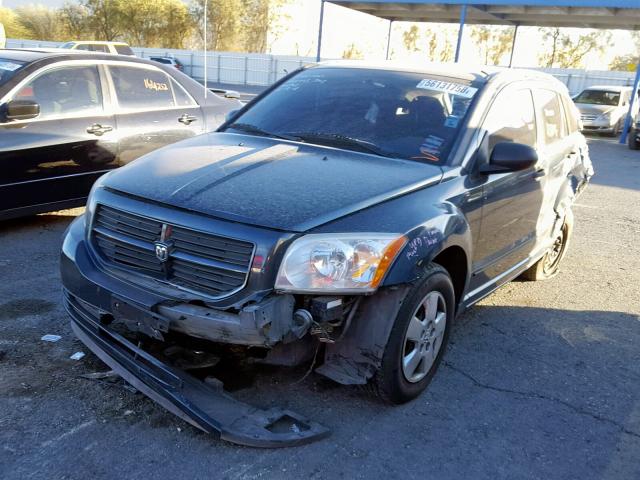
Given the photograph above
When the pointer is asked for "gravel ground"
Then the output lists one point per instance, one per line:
(542, 380)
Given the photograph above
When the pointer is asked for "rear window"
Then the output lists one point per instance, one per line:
(166, 61)
(9, 68)
(123, 49)
(551, 115)
(141, 88)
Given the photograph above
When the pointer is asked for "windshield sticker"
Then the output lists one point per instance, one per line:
(451, 121)
(10, 66)
(447, 87)
(158, 87)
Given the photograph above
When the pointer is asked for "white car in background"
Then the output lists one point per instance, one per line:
(117, 48)
(604, 108)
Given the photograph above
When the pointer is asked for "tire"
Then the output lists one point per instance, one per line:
(632, 140)
(549, 265)
(394, 382)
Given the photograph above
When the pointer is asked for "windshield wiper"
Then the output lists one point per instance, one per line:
(339, 140)
(254, 130)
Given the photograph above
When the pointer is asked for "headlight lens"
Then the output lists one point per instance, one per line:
(338, 262)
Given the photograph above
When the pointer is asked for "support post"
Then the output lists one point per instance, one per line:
(513, 44)
(320, 30)
(634, 94)
(206, 13)
(386, 57)
(463, 18)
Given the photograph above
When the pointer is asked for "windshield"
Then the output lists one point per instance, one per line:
(8, 68)
(598, 97)
(387, 113)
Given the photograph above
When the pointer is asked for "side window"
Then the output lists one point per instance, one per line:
(83, 46)
(182, 98)
(511, 118)
(124, 50)
(65, 91)
(571, 113)
(141, 88)
(550, 115)
(96, 47)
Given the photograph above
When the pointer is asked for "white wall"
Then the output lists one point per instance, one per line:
(262, 69)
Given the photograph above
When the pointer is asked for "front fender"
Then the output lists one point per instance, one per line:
(446, 227)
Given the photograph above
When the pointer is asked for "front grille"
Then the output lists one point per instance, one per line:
(588, 118)
(203, 262)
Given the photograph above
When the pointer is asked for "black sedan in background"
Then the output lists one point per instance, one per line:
(68, 117)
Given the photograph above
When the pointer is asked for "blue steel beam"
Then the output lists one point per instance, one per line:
(320, 30)
(634, 94)
(463, 17)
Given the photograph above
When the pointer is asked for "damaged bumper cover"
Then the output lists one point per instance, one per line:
(90, 294)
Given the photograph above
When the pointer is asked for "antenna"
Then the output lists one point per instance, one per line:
(206, 88)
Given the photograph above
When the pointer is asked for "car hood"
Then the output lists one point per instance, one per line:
(271, 183)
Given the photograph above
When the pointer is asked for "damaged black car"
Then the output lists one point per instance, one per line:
(343, 219)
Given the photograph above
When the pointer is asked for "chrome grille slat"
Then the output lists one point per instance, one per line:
(203, 262)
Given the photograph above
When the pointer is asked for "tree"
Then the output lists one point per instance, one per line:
(13, 28)
(105, 18)
(630, 61)
(493, 42)
(410, 38)
(568, 53)
(41, 22)
(75, 21)
(352, 52)
(154, 23)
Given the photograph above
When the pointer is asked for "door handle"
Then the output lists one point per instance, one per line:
(97, 129)
(187, 119)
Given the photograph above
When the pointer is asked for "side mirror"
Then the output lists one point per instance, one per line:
(232, 94)
(21, 110)
(230, 115)
(510, 157)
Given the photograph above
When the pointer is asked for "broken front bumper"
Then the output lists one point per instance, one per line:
(89, 296)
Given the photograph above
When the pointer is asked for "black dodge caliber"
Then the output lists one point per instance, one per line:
(344, 218)
(67, 117)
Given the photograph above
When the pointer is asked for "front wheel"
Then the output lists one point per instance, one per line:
(418, 338)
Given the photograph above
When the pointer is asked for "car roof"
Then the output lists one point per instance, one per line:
(31, 55)
(469, 72)
(96, 42)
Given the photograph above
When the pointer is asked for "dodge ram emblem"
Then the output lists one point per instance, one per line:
(162, 251)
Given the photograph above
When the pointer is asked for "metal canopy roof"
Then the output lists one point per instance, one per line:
(604, 14)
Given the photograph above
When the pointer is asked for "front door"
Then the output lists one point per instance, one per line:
(512, 200)
(55, 157)
(153, 110)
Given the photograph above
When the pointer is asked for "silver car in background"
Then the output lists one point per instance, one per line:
(603, 108)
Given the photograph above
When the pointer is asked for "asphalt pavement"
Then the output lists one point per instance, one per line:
(542, 380)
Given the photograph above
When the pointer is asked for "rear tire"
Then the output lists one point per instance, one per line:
(549, 265)
(418, 338)
(633, 142)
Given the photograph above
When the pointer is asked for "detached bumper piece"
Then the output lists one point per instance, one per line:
(206, 407)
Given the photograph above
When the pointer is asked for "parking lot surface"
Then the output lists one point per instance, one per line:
(542, 380)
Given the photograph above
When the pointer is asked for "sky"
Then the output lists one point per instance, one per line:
(297, 35)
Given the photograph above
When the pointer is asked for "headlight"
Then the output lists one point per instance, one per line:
(335, 263)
